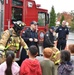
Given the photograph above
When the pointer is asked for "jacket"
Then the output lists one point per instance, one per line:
(30, 34)
(65, 69)
(9, 40)
(62, 32)
(48, 39)
(15, 68)
(48, 67)
(30, 67)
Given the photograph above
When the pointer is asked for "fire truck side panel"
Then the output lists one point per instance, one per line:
(7, 14)
(30, 12)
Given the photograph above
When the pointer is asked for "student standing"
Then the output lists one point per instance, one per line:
(65, 66)
(31, 65)
(47, 66)
(9, 67)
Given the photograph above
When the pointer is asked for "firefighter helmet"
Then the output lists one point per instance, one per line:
(19, 25)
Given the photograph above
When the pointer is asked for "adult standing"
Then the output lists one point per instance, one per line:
(11, 39)
(63, 32)
(30, 35)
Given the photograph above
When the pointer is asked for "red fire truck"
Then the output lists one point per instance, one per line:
(26, 11)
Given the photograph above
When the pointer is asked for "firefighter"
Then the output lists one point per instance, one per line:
(11, 39)
(55, 55)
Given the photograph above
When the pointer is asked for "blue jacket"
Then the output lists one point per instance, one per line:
(30, 34)
(62, 32)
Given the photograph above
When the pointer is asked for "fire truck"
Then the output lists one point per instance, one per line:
(26, 11)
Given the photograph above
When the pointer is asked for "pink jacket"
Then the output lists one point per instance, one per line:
(15, 68)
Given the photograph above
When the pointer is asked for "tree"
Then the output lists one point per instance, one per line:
(52, 17)
(62, 18)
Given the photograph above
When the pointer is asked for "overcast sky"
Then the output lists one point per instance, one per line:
(59, 5)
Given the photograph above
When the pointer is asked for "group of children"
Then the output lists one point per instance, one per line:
(32, 66)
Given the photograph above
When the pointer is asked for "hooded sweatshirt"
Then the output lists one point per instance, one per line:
(65, 69)
(15, 68)
(30, 67)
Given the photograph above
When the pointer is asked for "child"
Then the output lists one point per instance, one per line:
(31, 65)
(71, 49)
(9, 67)
(55, 57)
(65, 66)
(47, 66)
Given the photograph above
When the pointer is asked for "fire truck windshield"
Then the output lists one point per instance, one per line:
(41, 19)
(17, 3)
(16, 14)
